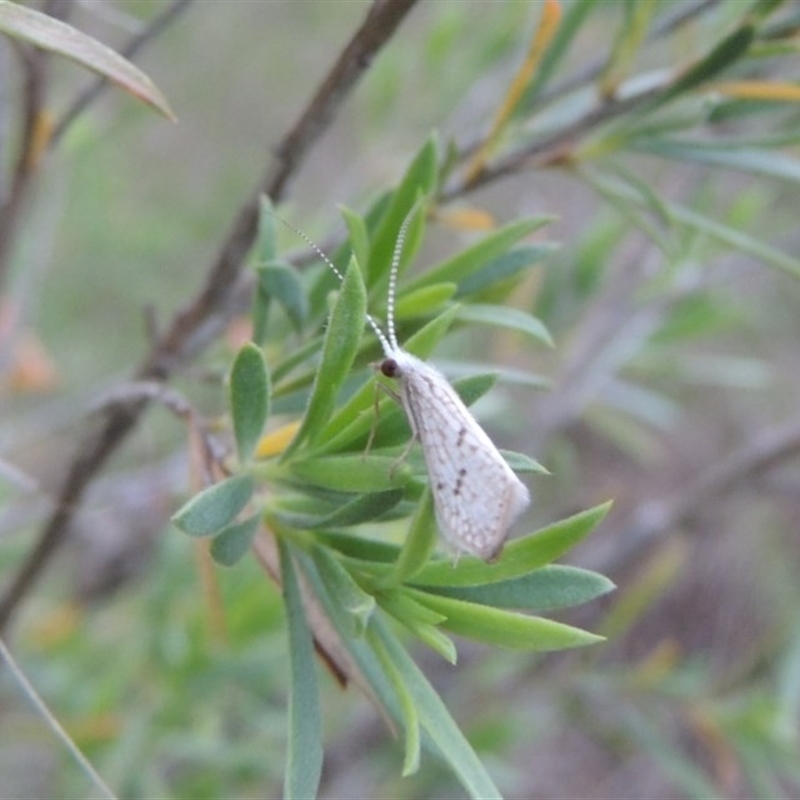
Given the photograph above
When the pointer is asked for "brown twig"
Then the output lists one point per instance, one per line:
(544, 149)
(34, 85)
(34, 139)
(655, 519)
(190, 328)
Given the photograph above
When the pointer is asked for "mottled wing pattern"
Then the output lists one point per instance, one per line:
(477, 496)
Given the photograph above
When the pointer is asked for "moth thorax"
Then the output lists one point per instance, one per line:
(390, 368)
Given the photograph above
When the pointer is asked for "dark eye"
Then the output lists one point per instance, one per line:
(389, 368)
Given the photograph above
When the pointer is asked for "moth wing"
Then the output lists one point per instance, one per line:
(476, 494)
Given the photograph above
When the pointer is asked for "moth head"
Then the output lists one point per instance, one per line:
(390, 368)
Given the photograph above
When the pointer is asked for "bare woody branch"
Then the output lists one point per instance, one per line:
(189, 330)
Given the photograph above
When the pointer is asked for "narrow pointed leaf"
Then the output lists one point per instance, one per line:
(519, 557)
(436, 720)
(279, 281)
(267, 248)
(423, 301)
(58, 37)
(503, 628)
(338, 353)
(727, 52)
(407, 707)
(544, 589)
(304, 751)
(357, 234)
(419, 544)
(344, 590)
(470, 260)
(505, 317)
(755, 160)
(353, 473)
(420, 620)
(363, 508)
(420, 178)
(520, 462)
(504, 267)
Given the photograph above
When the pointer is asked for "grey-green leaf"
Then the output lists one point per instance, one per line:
(230, 545)
(338, 353)
(279, 281)
(304, 750)
(506, 317)
(210, 511)
(249, 398)
(544, 589)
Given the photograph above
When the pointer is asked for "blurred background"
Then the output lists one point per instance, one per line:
(672, 388)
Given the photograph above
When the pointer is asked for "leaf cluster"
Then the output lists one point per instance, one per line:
(330, 503)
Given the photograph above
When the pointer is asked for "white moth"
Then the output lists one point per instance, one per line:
(476, 495)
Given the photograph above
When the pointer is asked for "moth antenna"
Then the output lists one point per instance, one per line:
(335, 270)
(394, 269)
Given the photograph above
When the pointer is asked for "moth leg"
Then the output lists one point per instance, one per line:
(382, 387)
(374, 428)
(403, 456)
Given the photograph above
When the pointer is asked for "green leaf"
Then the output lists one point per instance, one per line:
(419, 544)
(407, 708)
(506, 317)
(460, 266)
(519, 556)
(304, 751)
(568, 28)
(391, 420)
(627, 43)
(279, 280)
(57, 37)
(363, 508)
(232, 542)
(503, 268)
(423, 301)
(543, 589)
(442, 735)
(436, 720)
(729, 51)
(520, 462)
(504, 628)
(211, 510)
(344, 590)
(267, 247)
(357, 234)
(716, 230)
(737, 239)
(352, 473)
(422, 343)
(339, 350)
(359, 547)
(420, 620)
(754, 160)
(352, 413)
(249, 398)
(420, 178)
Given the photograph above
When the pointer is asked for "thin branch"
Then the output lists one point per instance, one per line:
(35, 63)
(552, 148)
(658, 518)
(189, 332)
(33, 99)
(586, 76)
(53, 723)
